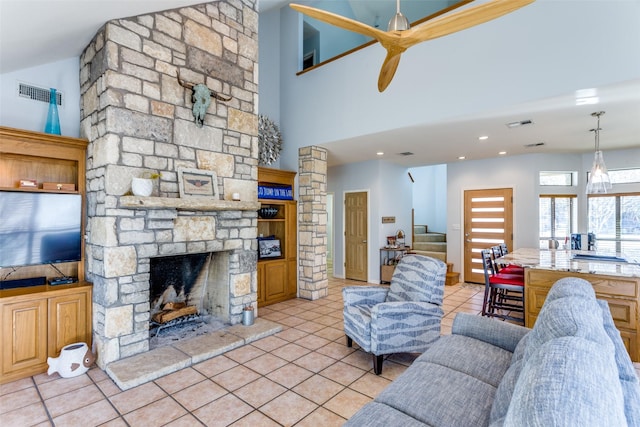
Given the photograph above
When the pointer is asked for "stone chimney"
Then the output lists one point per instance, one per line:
(139, 120)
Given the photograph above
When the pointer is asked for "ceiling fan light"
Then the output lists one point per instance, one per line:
(398, 23)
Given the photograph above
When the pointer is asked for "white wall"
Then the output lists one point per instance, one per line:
(546, 49)
(389, 194)
(521, 174)
(23, 113)
(430, 197)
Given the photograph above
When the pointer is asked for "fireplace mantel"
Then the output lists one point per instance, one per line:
(187, 204)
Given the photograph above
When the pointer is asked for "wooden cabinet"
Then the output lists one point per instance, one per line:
(37, 322)
(278, 276)
(621, 293)
(49, 159)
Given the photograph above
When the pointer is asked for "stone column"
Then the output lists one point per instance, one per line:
(312, 222)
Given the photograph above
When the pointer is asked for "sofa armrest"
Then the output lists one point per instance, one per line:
(364, 295)
(496, 332)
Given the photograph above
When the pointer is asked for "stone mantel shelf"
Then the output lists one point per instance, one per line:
(187, 204)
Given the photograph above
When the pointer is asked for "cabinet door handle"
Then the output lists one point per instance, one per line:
(364, 241)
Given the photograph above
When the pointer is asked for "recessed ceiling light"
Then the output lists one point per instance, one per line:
(380, 153)
(461, 158)
(483, 137)
(519, 123)
(502, 153)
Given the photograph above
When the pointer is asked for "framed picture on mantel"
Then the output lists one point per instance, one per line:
(197, 182)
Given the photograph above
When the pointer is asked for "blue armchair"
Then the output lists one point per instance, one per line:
(402, 318)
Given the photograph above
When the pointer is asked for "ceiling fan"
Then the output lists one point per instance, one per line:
(400, 37)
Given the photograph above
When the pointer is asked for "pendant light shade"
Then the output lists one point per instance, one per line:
(599, 181)
(399, 22)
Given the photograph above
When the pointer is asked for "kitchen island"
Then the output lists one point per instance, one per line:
(613, 279)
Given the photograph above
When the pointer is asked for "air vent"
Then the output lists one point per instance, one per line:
(406, 153)
(37, 93)
(518, 124)
(535, 144)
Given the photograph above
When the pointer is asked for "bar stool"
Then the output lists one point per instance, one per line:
(503, 293)
(500, 251)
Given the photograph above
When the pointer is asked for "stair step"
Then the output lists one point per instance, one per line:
(452, 279)
(430, 237)
(437, 255)
(430, 246)
(420, 229)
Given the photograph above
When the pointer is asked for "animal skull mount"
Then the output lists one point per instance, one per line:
(201, 99)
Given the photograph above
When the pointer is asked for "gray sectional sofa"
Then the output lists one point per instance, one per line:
(571, 369)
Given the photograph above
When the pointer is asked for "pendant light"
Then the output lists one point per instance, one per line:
(599, 181)
(399, 22)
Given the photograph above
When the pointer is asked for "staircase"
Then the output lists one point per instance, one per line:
(433, 245)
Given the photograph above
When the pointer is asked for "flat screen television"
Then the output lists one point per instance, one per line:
(39, 228)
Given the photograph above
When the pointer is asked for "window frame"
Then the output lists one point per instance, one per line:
(573, 211)
(618, 240)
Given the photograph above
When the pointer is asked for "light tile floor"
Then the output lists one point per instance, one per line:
(302, 376)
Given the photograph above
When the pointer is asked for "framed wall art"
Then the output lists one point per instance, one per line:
(197, 182)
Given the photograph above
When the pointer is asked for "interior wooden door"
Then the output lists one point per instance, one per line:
(488, 221)
(355, 232)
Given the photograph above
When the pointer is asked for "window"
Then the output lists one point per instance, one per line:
(622, 176)
(615, 220)
(557, 178)
(558, 218)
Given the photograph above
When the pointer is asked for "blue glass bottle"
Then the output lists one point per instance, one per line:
(53, 119)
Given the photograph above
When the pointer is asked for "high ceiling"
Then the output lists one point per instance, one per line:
(36, 32)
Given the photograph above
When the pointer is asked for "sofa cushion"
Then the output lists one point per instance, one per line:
(439, 396)
(626, 372)
(507, 385)
(469, 356)
(380, 415)
(575, 316)
(569, 381)
(568, 374)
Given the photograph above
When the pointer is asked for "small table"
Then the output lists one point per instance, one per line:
(389, 258)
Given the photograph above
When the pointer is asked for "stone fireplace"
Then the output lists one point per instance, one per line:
(138, 120)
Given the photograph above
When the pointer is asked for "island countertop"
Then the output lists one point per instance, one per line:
(565, 260)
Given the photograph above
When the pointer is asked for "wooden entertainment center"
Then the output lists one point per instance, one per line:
(37, 321)
(278, 276)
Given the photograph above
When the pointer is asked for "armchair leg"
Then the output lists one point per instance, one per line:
(377, 364)
(349, 341)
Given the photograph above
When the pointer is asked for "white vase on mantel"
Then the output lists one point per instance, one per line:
(142, 186)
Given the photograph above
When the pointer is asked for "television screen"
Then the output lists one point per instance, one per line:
(39, 228)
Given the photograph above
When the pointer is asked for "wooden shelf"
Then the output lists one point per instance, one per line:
(186, 203)
(37, 190)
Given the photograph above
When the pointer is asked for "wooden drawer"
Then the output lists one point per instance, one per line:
(630, 340)
(604, 285)
(624, 312)
(535, 298)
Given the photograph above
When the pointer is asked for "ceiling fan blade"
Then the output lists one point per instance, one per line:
(340, 21)
(389, 67)
(460, 20)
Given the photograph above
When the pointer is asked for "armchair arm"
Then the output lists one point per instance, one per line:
(364, 295)
(501, 334)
